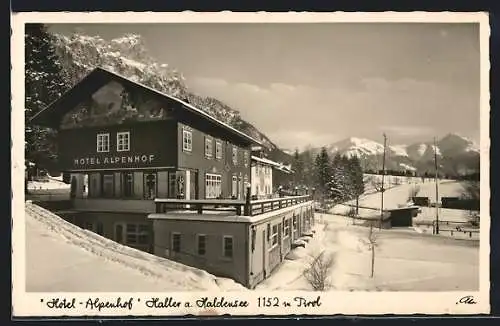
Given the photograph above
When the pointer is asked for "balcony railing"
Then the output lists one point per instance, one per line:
(240, 207)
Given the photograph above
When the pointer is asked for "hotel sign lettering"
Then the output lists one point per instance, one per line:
(143, 159)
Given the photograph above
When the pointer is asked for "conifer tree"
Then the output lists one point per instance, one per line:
(323, 174)
(43, 85)
(338, 179)
(298, 168)
(357, 179)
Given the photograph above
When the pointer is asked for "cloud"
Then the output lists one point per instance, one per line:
(407, 131)
(295, 115)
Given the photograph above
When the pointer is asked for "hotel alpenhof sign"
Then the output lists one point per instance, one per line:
(113, 161)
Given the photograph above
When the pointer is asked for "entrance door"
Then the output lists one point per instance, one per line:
(108, 185)
(194, 185)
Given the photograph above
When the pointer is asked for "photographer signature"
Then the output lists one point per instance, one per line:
(468, 299)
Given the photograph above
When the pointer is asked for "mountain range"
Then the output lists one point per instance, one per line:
(455, 154)
(79, 54)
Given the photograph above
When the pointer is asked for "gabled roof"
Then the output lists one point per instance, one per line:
(51, 115)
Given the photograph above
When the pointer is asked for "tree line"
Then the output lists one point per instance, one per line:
(336, 178)
(44, 83)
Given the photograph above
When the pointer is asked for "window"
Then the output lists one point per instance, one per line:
(235, 155)
(187, 140)
(102, 143)
(208, 147)
(234, 187)
(294, 223)
(287, 227)
(218, 150)
(213, 185)
(137, 234)
(202, 244)
(128, 184)
(149, 185)
(227, 249)
(176, 242)
(274, 235)
(245, 158)
(123, 141)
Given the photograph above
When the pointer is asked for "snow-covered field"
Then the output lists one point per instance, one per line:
(404, 260)
(398, 195)
(63, 257)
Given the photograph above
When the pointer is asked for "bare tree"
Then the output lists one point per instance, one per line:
(318, 270)
(371, 242)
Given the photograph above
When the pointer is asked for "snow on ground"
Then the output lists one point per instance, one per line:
(407, 259)
(404, 260)
(65, 258)
(398, 195)
(51, 184)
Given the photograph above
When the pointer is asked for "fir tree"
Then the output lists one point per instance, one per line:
(323, 174)
(298, 168)
(43, 85)
(338, 181)
(357, 179)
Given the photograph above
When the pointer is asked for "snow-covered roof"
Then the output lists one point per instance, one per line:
(276, 165)
(42, 115)
(266, 161)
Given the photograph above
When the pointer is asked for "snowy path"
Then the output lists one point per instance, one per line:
(63, 257)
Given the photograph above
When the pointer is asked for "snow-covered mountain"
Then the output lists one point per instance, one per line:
(128, 57)
(456, 154)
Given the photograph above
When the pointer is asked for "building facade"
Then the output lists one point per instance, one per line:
(245, 248)
(124, 144)
(121, 140)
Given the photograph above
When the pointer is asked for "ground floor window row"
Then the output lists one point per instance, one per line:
(181, 244)
(130, 234)
(166, 184)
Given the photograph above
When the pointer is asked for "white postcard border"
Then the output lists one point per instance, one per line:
(350, 303)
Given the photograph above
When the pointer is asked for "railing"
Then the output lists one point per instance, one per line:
(247, 207)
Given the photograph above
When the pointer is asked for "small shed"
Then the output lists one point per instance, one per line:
(421, 201)
(403, 216)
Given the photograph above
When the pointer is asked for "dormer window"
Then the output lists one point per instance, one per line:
(102, 143)
(123, 141)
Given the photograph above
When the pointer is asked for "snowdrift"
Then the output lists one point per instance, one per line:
(63, 257)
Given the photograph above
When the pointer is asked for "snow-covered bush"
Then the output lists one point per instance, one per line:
(318, 270)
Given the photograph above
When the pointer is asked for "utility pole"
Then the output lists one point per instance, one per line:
(382, 187)
(437, 187)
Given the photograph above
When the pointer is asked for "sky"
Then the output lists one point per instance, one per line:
(316, 84)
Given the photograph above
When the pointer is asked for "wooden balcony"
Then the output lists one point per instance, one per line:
(240, 207)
